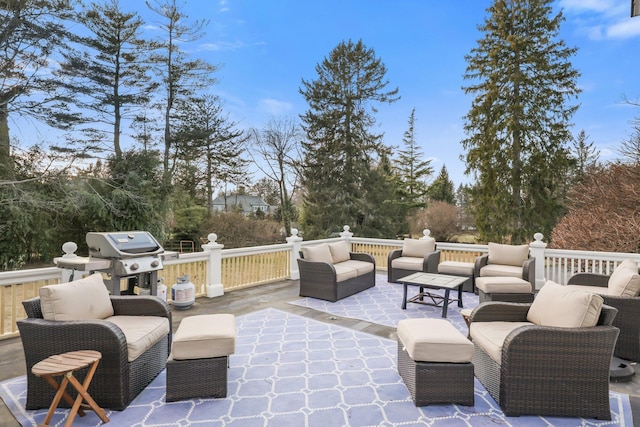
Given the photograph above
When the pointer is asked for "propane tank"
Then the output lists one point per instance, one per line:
(162, 289)
(183, 293)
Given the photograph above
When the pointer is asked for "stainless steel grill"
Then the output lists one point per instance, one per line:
(134, 255)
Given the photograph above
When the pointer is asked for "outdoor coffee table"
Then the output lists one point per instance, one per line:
(433, 281)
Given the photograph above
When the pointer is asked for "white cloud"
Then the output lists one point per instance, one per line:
(275, 107)
(587, 5)
(218, 46)
(624, 29)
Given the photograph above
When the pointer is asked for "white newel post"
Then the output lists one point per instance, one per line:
(214, 266)
(69, 249)
(426, 234)
(345, 233)
(294, 240)
(536, 249)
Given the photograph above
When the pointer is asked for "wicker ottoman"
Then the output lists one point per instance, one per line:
(434, 361)
(458, 268)
(509, 289)
(197, 366)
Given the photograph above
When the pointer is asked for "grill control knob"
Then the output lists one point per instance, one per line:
(155, 263)
(135, 266)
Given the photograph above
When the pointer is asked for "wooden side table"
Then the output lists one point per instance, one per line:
(65, 365)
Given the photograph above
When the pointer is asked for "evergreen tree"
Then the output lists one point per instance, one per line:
(518, 124)
(180, 75)
(585, 156)
(30, 32)
(341, 150)
(411, 170)
(442, 189)
(110, 75)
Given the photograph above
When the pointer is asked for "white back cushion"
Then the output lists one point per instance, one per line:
(418, 248)
(557, 305)
(317, 253)
(508, 254)
(84, 299)
(625, 280)
(339, 251)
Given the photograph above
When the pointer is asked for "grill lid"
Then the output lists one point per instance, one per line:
(123, 244)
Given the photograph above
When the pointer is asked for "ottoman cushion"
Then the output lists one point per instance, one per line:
(204, 336)
(434, 340)
(503, 285)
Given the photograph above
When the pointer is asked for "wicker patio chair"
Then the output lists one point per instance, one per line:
(506, 261)
(415, 256)
(545, 370)
(117, 381)
(628, 344)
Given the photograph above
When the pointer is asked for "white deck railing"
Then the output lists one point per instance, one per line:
(243, 267)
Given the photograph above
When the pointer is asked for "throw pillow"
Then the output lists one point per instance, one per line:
(339, 251)
(83, 299)
(514, 255)
(557, 305)
(625, 280)
(317, 253)
(418, 248)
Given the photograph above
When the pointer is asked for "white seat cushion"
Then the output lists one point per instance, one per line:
(83, 299)
(490, 336)
(557, 305)
(408, 263)
(204, 336)
(456, 268)
(361, 267)
(503, 285)
(344, 272)
(498, 270)
(141, 332)
(434, 340)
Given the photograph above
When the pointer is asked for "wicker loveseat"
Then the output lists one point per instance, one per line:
(622, 291)
(132, 333)
(550, 357)
(329, 271)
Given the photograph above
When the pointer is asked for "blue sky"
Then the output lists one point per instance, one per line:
(266, 47)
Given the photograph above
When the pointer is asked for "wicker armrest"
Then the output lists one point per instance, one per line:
(393, 255)
(41, 338)
(500, 312)
(319, 271)
(558, 349)
(362, 256)
(529, 271)
(480, 262)
(431, 261)
(143, 305)
(589, 279)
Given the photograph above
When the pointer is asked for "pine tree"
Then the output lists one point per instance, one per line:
(30, 32)
(442, 189)
(411, 170)
(180, 75)
(341, 151)
(585, 156)
(518, 124)
(110, 76)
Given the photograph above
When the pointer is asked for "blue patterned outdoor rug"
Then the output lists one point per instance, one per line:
(382, 305)
(292, 371)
